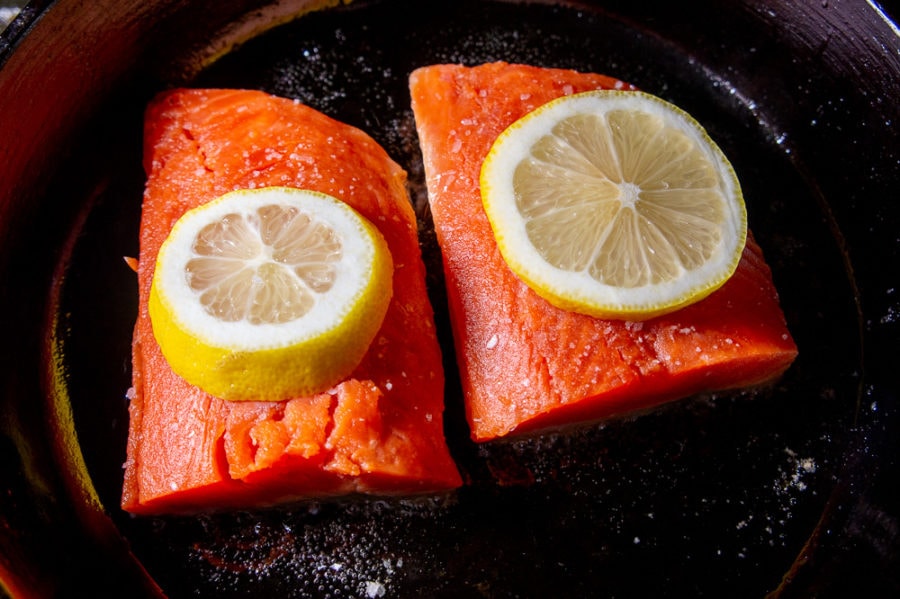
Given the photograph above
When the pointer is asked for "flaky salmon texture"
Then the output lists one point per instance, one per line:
(381, 430)
(525, 364)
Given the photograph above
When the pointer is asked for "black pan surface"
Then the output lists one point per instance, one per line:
(785, 490)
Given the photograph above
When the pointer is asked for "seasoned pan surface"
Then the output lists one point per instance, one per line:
(779, 490)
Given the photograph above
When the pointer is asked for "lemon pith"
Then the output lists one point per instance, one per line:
(616, 204)
(269, 294)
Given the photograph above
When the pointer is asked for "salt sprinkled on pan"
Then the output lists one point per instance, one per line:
(792, 478)
(348, 549)
(492, 342)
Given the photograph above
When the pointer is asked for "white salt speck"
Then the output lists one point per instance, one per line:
(526, 383)
(389, 385)
(492, 342)
(619, 84)
(457, 146)
(374, 589)
(428, 417)
(637, 540)
(337, 566)
(568, 90)
(173, 485)
(524, 97)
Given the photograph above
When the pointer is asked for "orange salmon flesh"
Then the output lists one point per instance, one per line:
(381, 430)
(525, 364)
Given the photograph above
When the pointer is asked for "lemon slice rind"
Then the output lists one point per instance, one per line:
(577, 290)
(269, 361)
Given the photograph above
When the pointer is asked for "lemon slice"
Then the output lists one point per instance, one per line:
(269, 294)
(615, 204)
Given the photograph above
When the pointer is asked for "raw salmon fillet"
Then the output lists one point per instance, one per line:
(526, 364)
(380, 431)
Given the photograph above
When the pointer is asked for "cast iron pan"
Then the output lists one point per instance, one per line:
(785, 490)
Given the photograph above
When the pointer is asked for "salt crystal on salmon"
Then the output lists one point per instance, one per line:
(380, 431)
(526, 365)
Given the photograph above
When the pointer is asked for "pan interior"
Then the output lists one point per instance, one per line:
(716, 494)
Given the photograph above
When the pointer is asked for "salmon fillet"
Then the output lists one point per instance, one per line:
(526, 364)
(381, 430)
